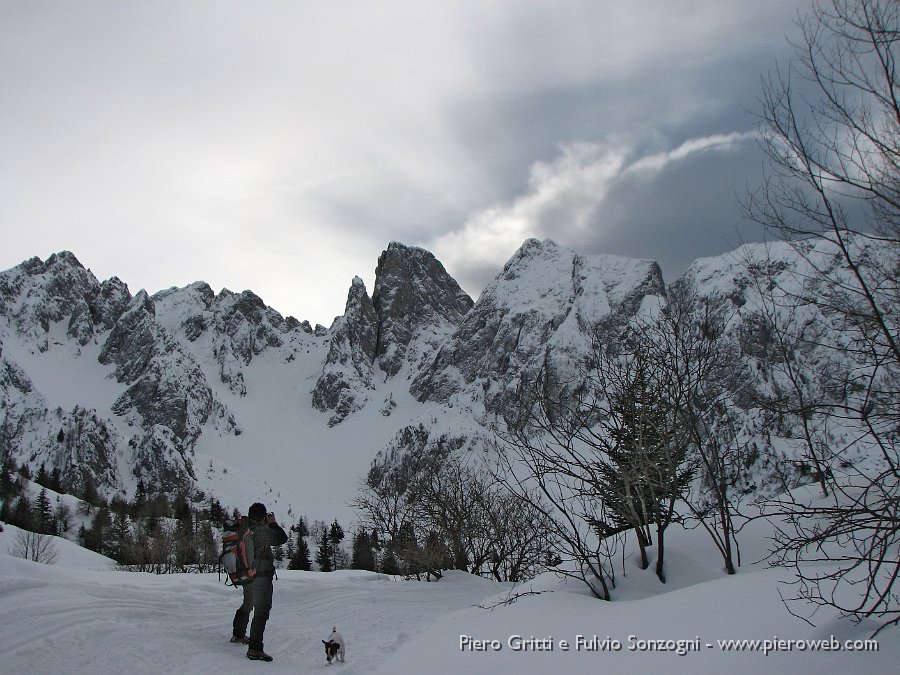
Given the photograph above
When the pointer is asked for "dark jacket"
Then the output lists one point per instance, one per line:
(264, 538)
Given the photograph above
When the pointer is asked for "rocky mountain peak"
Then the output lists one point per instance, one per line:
(416, 304)
(157, 391)
(413, 293)
(347, 374)
(535, 316)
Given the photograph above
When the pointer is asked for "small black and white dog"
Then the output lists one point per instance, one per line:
(334, 647)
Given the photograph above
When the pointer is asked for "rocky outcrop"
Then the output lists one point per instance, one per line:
(415, 307)
(416, 301)
(165, 394)
(83, 446)
(87, 449)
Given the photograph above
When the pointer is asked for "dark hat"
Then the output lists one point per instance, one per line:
(257, 512)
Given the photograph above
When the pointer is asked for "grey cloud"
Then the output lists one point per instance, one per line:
(225, 140)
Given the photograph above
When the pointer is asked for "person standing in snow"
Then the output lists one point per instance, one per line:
(258, 593)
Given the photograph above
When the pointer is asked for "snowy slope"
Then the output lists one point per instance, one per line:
(75, 617)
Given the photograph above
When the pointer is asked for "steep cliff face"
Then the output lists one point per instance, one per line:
(229, 328)
(163, 400)
(167, 394)
(45, 304)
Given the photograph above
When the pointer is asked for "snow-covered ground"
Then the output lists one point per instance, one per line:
(81, 616)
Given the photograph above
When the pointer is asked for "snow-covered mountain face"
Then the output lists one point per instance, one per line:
(192, 390)
(538, 314)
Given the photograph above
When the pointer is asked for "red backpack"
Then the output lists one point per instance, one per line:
(237, 557)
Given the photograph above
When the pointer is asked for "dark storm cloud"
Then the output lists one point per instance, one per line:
(688, 211)
(646, 153)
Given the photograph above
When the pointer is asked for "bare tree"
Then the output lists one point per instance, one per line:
(543, 463)
(35, 546)
(709, 380)
(832, 134)
(445, 512)
(451, 500)
(384, 503)
(522, 542)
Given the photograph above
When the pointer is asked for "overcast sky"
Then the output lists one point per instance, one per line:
(280, 146)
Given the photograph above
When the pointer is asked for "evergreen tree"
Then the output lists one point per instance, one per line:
(325, 553)
(300, 560)
(181, 508)
(301, 528)
(8, 483)
(119, 505)
(89, 494)
(217, 513)
(95, 537)
(56, 481)
(43, 520)
(389, 563)
(117, 538)
(22, 514)
(335, 537)
(42, 478)
(139, 505)
(363, 557)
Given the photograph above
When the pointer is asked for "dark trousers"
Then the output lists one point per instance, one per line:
(258, 599)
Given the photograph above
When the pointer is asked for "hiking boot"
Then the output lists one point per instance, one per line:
(242, 639)
(258, 655)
